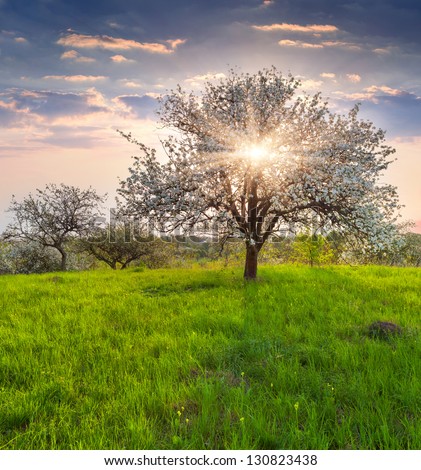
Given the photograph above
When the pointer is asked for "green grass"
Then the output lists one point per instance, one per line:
(198, 359)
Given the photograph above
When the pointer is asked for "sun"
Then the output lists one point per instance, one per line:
(256, 152)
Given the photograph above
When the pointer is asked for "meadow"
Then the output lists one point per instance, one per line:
(198, 359)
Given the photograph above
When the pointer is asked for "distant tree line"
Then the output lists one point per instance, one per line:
(63, 228)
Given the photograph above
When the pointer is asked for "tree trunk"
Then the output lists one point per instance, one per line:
(250, 269)
(63, 260)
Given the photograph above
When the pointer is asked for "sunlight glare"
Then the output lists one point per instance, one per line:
(256, 152)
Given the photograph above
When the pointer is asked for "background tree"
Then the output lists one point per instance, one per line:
(312, 249)
(251, 156)
(53, 216)
(405, 253)
(411, 250)
(117, 246)
(23, 257)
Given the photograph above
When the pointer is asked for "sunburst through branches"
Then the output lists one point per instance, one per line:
(251, 156)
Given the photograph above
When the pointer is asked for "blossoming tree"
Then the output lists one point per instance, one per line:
(252, 155)
(53, 215)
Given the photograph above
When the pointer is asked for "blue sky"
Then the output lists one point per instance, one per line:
(72, 72)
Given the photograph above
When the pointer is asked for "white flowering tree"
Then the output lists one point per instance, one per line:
(252, 155)
(53, 215)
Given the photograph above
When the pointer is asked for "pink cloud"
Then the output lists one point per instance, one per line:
(74, 55)
(372, 93)
(120, 59)
(296, 28)
(69, 55)
(355, 96)
(301, 44)
(111, 43)
(198, 80)
(9, 106)
(328, 75)
(353, 77)
(174, 43)
(75, 78)
(320, 45)
(386, 90)
(130, 83)
(311, 84)
(345, 45)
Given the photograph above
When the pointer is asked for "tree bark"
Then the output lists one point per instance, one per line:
(250, 268)
(63, 260)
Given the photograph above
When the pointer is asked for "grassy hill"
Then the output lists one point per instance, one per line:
(197, 359)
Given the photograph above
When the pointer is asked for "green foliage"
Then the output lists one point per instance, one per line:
(312, 249)
(303, 249)
(21, 257)
(341, 248)
(411, 249)
(194, 359)
(117, 247)
(5, 266)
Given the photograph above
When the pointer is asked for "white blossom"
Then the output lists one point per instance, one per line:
(311, 162)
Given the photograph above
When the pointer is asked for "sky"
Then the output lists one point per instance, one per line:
(72, 72)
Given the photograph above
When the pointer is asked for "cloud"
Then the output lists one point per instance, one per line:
(75, 78)
(39, 120)
(373, 92)
(143, 107)
(119, 59)
(8, 113)
(198, 80)
(74, 55)
(382, 50)
(320, 45)
(174, 43)
(111, 43)
(353, 77)
(296, 28)
(152, 94)
(130, 83)
(385, 90)
(115, 25)
(21, 40)
(50, 105)
(342, 44)
(389, 108)
(328, 75)
(300, 44)
(358, 96)
(74, 136)
(69, 55)
(311, 84)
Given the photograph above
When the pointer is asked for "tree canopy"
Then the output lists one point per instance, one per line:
(117, 246)
(52, 215)
(252, 155)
